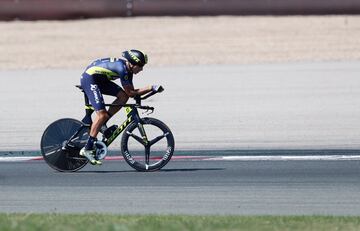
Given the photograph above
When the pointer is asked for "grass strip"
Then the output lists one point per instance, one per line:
(89, 222)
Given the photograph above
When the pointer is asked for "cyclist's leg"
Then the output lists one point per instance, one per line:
(91, 88)
(121, 98)
(110, 88)
(101, 117)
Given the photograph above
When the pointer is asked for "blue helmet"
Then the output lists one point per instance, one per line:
(135, 57)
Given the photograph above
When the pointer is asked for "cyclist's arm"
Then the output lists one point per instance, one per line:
(131, 92)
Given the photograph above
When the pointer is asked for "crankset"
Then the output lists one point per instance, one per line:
(101, 150)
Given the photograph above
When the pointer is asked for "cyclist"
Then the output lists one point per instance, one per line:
(98, 80)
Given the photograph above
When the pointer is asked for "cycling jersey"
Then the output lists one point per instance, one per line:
(110, 68)
(98, 80)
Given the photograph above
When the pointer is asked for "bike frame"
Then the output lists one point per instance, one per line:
(132, 116)
(131, 113)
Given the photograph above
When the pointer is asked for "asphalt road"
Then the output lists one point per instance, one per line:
(186, 187)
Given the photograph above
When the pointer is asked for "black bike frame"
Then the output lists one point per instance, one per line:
(131, 113)
(132, 116)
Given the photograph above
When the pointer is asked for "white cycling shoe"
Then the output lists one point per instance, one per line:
(89, 154)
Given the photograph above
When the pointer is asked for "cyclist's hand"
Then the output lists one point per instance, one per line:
(157, 88)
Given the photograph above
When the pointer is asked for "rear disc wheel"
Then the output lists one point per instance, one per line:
(53, 147)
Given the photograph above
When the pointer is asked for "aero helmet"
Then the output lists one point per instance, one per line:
(135, 57)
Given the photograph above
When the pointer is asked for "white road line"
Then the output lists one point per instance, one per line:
(287, 158)
(218, 158)
(16, 158)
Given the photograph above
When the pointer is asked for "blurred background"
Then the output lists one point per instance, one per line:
(54, 34)
(75, 9)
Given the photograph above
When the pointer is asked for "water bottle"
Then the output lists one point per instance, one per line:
(109, 131)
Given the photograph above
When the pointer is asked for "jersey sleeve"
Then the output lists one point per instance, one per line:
(126, 79)
(123, 75)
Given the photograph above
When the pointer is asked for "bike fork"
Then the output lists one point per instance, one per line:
(146, 142)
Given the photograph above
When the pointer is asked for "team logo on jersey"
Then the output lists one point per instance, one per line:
(126, 77)
(93, 88)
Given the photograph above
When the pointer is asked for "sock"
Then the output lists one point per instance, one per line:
(90, 143)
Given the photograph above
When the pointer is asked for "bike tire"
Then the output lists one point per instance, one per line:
(162, 156)
(52, 141)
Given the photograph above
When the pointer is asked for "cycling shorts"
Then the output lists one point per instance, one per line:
(94, 88)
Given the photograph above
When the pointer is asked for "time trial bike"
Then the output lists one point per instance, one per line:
(147, 144)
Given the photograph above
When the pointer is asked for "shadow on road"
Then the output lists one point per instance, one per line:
(162, 170)
(191, 169)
